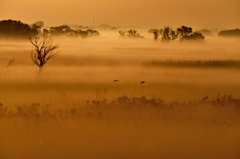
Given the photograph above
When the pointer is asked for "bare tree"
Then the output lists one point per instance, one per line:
(43, 51)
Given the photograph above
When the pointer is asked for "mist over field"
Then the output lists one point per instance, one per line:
(188, 106)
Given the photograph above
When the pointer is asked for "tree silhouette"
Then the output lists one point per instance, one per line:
(89, 33)
(184, 32)
(43, 51)
(60, 30)
(157, 33)
(167, 34)
(173, 34)
(37, 25)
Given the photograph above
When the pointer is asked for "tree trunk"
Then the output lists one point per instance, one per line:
(40, 69)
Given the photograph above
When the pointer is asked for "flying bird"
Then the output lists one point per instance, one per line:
(115, 80)
(142, 82)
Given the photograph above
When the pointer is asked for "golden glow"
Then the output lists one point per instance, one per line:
(186, 109)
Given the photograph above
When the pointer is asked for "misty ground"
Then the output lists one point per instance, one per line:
(188, 108)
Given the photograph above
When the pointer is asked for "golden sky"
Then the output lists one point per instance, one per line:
(142, 13)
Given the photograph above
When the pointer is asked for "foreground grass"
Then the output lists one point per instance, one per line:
(123, 128)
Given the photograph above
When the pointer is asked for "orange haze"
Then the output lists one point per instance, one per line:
(137, 13)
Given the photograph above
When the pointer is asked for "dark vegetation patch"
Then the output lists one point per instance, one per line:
(10, 29)
(16, 29)
(230, 33)
(183, 33)
(194, 63)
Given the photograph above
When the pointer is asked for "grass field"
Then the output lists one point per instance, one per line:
(189, 106)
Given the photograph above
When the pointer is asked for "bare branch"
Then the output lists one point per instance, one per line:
(11, 62)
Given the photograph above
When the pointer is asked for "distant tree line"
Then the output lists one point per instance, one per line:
(166, 34)
(17, 29)
(183, 33)
(67, 31)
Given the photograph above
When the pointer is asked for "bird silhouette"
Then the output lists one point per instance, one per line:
(142, 82)
(115, 80)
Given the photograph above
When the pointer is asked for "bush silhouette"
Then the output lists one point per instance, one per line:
(195, 36)
(130, 34)
(122, 33)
